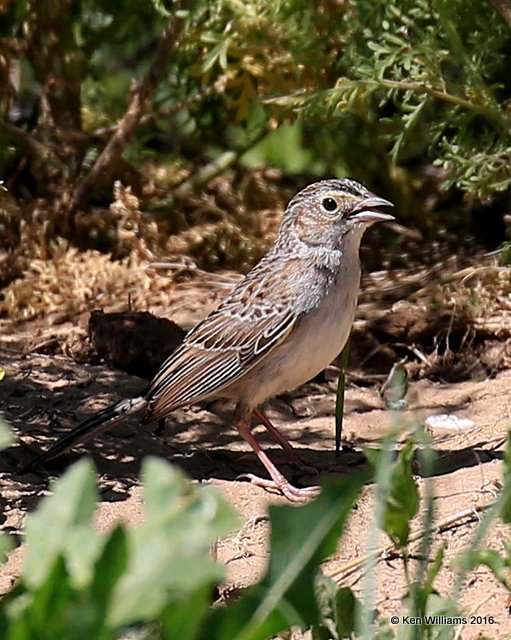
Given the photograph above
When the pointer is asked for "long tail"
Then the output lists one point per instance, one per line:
(92, 426)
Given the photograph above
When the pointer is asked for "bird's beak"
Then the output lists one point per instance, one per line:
(364, 211)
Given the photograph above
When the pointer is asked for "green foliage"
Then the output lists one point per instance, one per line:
(60, 527)
(157, 580)
(300, 540)
(6, 437)
(505, 255)
(428, 77)
(403, 501)
(505, 248)
(78, 583)
(340, 611)
(399, 494)
(348, 86)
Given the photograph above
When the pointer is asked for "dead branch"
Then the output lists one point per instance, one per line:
(163, 112)
(129, 122)
(42, 156)
(504, 8)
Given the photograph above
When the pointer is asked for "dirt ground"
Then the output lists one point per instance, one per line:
(44, 395)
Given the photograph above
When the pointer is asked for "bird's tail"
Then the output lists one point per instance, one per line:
(92, 426)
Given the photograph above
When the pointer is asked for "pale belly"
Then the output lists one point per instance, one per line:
(318, 339)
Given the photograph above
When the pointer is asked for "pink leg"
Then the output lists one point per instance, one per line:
(283, 442)
(278, 482)
(293, 455)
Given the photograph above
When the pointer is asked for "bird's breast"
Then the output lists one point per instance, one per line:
(319, 336)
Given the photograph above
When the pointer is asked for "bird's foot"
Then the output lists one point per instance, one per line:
(284, 487)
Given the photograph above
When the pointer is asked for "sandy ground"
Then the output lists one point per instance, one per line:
(43, 396)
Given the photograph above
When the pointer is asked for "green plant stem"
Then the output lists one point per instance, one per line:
(428, 457)
(400, 85)
(382, 483)
(339, 399)
(486, 521)
(443, 96)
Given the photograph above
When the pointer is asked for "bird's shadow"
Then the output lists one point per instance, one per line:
(44, 398)
(118, 459)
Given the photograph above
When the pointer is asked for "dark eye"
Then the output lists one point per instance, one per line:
(329, 204)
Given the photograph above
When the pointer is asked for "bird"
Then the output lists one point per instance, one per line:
(279, 327)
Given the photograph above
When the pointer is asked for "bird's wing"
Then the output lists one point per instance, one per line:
(245, 328)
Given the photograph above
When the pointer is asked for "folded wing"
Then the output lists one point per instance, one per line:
(246, 327)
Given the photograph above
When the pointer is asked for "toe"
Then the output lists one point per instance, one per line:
(284, 487)
(299, 495)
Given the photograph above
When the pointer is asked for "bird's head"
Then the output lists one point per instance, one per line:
(324, 212)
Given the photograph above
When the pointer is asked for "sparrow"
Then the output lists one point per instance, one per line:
(280, 326)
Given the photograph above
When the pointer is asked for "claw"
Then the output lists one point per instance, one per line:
(284, 487)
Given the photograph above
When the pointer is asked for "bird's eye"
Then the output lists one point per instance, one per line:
(329, 204)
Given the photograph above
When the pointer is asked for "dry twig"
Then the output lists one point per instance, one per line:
(348, 568)
(130, 120)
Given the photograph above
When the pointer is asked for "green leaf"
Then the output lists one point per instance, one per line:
(339, 399)
(110, 566)
(326, 590)
(505, 254)
(395, 387)
(434, 569)
(403, 501)
(50, 601)
(347, 607)
(41, 614)
(169, 553)
(495, 561)
(183, 618)
(6, 436)
(62, 526)
(301, 538)
(161, 9)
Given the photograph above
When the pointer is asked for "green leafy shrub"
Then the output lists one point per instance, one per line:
(363, 80)
(159, 576)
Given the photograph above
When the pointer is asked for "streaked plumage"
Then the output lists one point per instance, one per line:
(280, 326)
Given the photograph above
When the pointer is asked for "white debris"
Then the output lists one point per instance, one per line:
(449, 421)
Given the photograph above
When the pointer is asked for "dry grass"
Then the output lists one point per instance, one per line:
(228, 226)
(74, 281)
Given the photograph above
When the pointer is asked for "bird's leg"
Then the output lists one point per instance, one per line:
(315, 468)
(294, 457)
(278, 482)
(160, 428)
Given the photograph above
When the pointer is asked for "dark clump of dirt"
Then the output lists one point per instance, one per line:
(440, 342)
(427, 327)
(134, 341)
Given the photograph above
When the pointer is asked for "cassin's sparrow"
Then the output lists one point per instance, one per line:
(281, 325)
